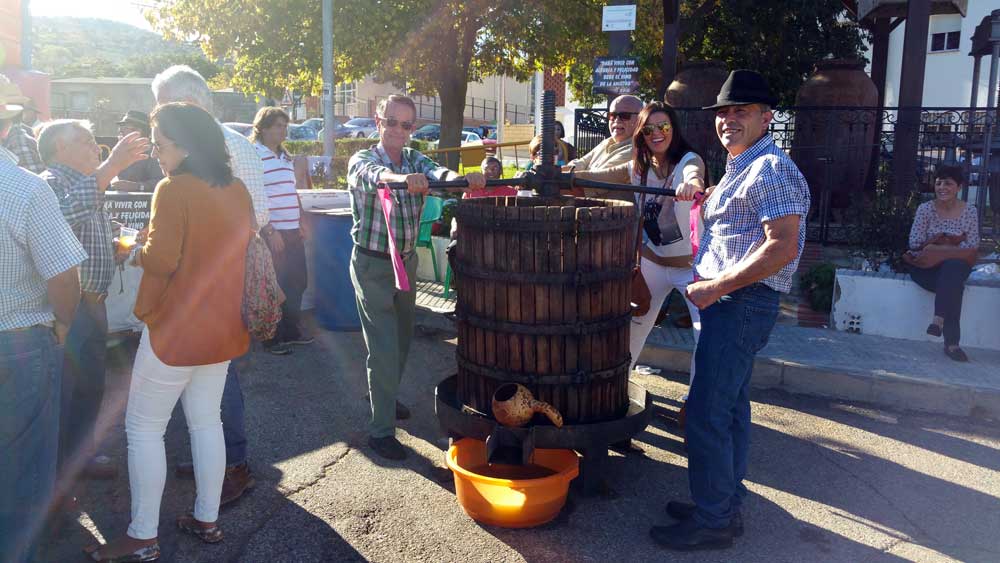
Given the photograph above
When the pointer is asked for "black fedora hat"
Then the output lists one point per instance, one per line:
(744, 87)
(134, 117)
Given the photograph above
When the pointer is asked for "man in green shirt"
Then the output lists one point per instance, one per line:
(387, 313)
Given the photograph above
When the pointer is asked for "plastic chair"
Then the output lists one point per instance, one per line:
(430, 215)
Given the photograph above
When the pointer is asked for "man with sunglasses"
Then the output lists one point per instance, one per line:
(387, 313)
(754, 234)
(616, 149)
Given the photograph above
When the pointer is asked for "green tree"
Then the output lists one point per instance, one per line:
(782, 39)
(433, 47)
(149, 65)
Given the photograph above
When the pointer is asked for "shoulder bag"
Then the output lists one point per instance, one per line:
(262, 296)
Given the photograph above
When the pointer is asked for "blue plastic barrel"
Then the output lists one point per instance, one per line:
(335, 307)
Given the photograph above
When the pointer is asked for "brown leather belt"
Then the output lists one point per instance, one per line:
(377, 254)
(94, 298)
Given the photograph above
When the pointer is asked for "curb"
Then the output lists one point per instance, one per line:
(884, 389)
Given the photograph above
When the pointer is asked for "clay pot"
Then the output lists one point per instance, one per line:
(697, 85)
(833, 149)
(514, 405)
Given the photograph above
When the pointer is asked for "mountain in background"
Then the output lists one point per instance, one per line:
(86, 47)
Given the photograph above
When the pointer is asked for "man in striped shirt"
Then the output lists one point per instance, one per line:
(386, 313)
(284, 233)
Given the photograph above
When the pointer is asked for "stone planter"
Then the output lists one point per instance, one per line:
(890, 304)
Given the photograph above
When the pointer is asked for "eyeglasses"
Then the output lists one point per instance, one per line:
(650, 129)
(622, 115)
(392, 122)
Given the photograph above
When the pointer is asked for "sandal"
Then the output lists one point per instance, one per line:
(211, 534)
(934, 330)
(141, 555)
(956, 354)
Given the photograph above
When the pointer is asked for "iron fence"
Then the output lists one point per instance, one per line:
(845, 153)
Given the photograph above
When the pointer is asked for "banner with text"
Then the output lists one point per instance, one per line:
(128, 208)
(614, 76)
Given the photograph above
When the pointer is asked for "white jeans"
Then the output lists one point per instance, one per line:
(151, 399)
(661, 280)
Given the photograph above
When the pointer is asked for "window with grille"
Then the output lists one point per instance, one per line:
(948, 41)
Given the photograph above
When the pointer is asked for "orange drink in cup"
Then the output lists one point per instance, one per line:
(127, 239)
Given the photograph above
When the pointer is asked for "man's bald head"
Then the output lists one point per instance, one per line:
(622, 117)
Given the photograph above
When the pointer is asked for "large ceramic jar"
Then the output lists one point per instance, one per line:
(697, 85)
(835, 126)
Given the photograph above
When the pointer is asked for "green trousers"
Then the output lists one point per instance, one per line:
(387, 325)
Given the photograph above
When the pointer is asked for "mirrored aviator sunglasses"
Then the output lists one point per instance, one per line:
(392, 122)
(650, 129)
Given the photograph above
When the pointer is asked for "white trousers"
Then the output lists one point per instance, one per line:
(152, 396)
(661, 279)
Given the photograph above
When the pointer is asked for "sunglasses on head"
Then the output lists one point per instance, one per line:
(650, 129)
(622, 115)
(392, 122)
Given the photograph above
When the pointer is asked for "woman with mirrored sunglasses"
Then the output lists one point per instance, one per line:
(661, 158)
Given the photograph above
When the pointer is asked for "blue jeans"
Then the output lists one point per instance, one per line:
(30, 370)
(733, 330)
(82, 386)
(233, 428)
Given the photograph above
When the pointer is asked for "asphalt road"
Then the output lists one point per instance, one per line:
(829, 481)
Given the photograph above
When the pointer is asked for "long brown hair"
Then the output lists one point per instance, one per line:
(642, 155)
(265, 118)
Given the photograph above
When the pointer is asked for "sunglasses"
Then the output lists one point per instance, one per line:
(392, 122)
(622, 115)
(650, 129)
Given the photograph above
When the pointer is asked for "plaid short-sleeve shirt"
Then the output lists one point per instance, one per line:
(760, 185)
(36, 244)
(363, 176)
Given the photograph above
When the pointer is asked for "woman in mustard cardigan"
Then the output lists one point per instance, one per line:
(193, 264)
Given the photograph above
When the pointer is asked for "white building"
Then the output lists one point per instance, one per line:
(948, 71)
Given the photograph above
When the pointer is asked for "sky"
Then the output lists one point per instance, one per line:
(127, 11)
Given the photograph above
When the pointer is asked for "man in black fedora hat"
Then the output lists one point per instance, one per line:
(144, 174)
(754, 233)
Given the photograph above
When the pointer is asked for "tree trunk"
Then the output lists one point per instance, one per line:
(452, 90)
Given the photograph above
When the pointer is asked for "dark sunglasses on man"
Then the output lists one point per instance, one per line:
(622, 115)
(392, 122)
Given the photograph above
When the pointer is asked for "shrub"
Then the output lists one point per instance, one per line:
(881, 228)
(818, 283)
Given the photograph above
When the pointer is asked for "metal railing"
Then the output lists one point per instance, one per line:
(845, 153)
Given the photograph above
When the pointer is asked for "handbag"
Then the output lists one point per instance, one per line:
(262, 296)
(640, 294)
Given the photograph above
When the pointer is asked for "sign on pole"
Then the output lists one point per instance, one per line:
(614, 76)
(618, 18)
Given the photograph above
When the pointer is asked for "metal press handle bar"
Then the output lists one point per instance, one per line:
(457, 184)
(565, 180)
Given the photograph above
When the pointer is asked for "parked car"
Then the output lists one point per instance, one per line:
(483, 131)
(302, 132)
(242, 128)
(429, 132)
(361, 127)
(470, 138)
(340, 131)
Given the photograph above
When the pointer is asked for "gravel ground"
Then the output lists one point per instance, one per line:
(829, 480)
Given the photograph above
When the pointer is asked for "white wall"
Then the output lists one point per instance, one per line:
(948, 75)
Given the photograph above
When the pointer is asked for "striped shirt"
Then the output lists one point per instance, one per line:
(363, 173)
(279, 185)
(36, 245)
(760, 185)
(82, 205)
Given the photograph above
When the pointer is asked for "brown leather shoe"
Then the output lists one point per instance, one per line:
(238, 480)
(100, 468)
(184, 470)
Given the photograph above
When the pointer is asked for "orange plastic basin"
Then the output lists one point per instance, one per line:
(488, 497)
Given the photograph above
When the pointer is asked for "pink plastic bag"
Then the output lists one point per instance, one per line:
(693, 218)
(388, 202)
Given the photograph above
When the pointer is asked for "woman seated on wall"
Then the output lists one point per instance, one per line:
(944, 242)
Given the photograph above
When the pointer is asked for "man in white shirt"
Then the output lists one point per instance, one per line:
(616, 149)
(181, 83)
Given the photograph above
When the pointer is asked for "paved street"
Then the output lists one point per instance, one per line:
(829, 480)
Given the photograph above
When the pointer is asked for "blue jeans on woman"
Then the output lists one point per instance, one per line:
(733, 330)
(30, 371)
